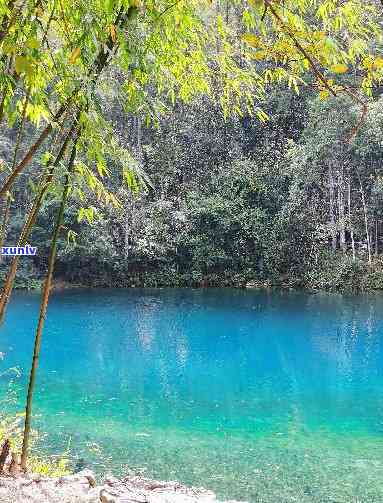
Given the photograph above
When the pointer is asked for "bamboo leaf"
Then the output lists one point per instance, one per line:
(252, 40)
(378, 63)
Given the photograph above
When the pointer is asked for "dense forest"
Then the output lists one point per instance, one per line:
(229, 202)
(211, 193)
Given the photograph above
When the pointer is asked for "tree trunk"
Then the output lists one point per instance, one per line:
(332, 213)
(350, 222)
(365, 219)
(376, 238)
(43, 310)
(341, 213)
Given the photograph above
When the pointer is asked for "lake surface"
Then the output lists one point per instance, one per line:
(266, 397)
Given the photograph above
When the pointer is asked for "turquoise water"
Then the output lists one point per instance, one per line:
(264, 397)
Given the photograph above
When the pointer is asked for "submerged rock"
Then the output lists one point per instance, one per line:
(82, 488)
(79, 465)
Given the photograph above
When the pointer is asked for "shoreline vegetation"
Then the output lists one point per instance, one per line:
(339, 274)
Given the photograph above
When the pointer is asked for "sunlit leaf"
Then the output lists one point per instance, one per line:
(339, 68)
(378, 62)
(22, 65)
(259, 55)
(74, 55)
(33, 43)
(252, 40)
(324, 94)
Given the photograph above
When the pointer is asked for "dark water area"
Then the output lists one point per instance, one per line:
(260, 396)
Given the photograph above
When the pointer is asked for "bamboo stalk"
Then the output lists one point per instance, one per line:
(43, 310)
(5, 221)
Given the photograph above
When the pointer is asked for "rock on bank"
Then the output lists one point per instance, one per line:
(82, 488)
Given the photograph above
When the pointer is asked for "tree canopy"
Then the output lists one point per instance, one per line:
(58, 56)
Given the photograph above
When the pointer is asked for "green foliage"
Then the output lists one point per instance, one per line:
(336, 272)
(54, 59)
(229, 203)
(29, 277)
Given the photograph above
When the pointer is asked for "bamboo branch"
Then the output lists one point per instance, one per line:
(5, 221)
(96, 69)
(362, 117)
(319, 74)
(28, 225)
(7, 22)
(300, 48)
(4, 224)
(4, 454)
(28, 156)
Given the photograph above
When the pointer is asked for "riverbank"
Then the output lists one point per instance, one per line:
(333, 272)
(83, 488)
